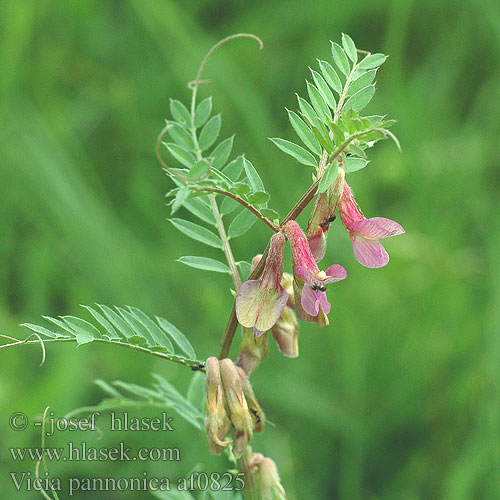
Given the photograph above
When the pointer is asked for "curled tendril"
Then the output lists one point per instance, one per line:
(193, 85)
(17, 342)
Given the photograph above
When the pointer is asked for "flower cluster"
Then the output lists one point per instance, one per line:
(267, 303)
(230, 404)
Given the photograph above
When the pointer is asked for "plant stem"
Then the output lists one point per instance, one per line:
(189, 363)
(225, 242)
(241, 201)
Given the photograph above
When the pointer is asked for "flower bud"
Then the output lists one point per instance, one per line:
(253, 350)
(217, 423)
(286, 333)
(237, 405)
(253, 404)
(266, 479)
(322, 215)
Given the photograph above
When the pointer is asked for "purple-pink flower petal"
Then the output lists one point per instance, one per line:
(369, 253)
(323, 302)
(304, 274)
(335, 273)
(258, 306)
(309, 302)
(312, 299)
(375, 228)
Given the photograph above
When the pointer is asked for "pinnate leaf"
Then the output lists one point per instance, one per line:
(330, 76)
(180, 112)
(196, 232)
(340, 58)
(360, 99)
(304, 132)
(241, 223)
(372, 61)
(204, 263)
(349, 48)
(202, 112)
(209, 132)
(299, 153)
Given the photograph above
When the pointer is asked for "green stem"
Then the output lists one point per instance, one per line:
(225, 243)
(241, 201)
(175, 359)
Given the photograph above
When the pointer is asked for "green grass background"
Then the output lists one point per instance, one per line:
(399, 399)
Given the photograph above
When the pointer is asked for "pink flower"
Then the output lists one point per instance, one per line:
(366, 233)
(310, 282)
(259, 303)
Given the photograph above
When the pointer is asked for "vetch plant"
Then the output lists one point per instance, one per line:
(213, 186)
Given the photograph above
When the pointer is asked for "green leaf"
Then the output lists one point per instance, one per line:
(180, 112)
(181, 136)
(199, 208)
(350, 48)
(241, 223)
(321, 133)
(340, 58)
(83, 338)
(202, 112)
(228, 206)
(204, 263)
(222, 152)
(42, 331)
(304, 132)
(223, 177)
(306, 109)
(318, 102)
(196, 390)
(138, 340)
(198, 170)
(245, 268)
(269, 213)
(372, 61)
(181, 154)
(60, 324)
(180, 403)
(80, 326)
(253, 177)
(241, 188)
(360, 99)
(180, 198)
(177, 336)
(158, 335)
(299, 153)
(118, 322)
(356, 150)
(361, 82)
(258, 198)
(324, 89)
(331, 76)
(338, 133)
(209, 132)
(138, 327)
(233, 169)
(352, 164)
(110, 331)
(197, 232)
(328, 177)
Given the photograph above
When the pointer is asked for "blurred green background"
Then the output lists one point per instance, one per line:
(399, 399)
